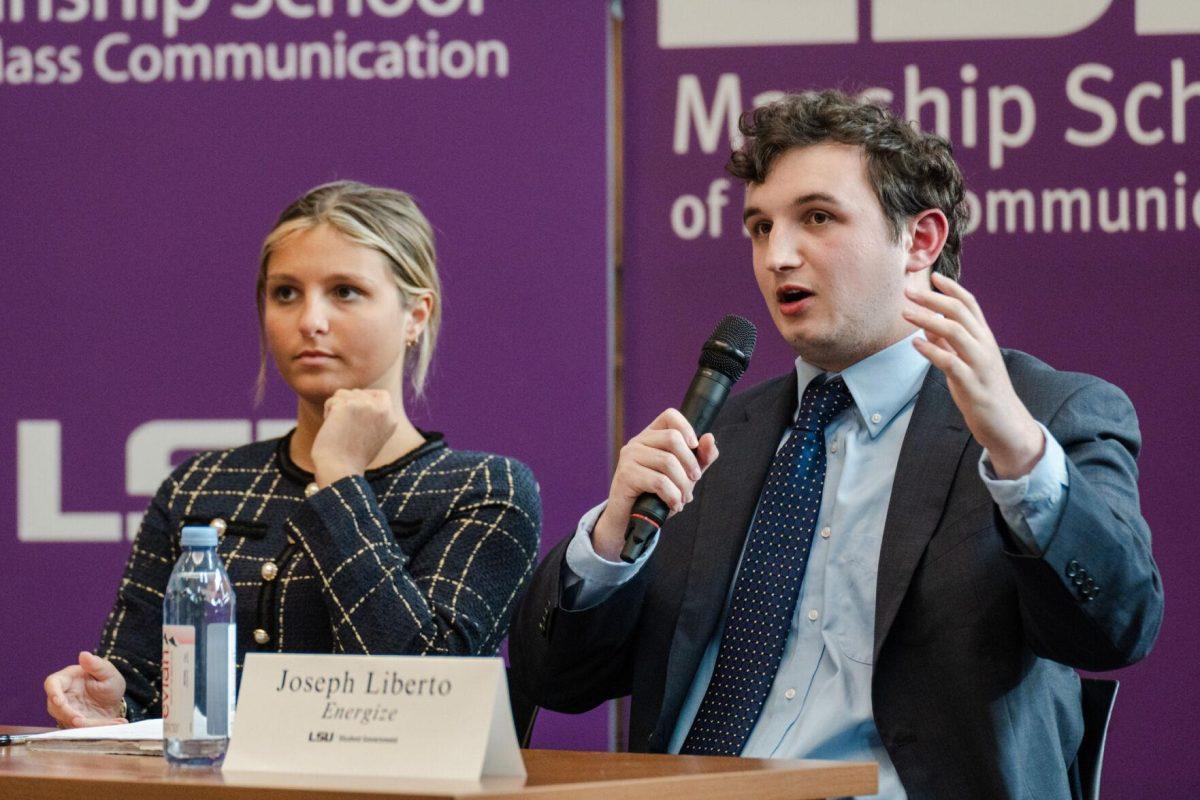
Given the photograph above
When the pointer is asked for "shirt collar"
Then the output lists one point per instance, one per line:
(882, 384)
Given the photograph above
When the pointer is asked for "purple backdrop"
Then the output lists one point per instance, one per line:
(1112, 304)
(130, 221)
(134, 211)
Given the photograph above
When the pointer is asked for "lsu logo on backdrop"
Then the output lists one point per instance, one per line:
(148, 453)
(749, 23)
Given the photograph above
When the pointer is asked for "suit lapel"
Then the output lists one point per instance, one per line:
(726, 504)
(925, 471)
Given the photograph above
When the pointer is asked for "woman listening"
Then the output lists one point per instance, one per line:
(356, 532)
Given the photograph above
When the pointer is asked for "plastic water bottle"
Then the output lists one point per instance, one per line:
(199, 653)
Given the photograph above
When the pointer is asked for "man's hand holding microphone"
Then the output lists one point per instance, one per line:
(658, 469)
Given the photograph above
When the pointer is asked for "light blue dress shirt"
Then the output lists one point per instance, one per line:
(819, 705)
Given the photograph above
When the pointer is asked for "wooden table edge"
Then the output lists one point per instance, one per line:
(783, 780)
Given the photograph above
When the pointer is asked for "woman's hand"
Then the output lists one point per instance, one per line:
(86, 694)
(358, 423)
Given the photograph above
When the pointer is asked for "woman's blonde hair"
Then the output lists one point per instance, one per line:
(385, 220)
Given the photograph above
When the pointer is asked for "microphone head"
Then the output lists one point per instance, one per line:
(730, 346)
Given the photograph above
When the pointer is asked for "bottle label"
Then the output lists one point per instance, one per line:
(178, 680)
(221, 649)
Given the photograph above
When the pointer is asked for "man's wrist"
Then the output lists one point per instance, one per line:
(1010, 462)
(608, 536)
(599, 575)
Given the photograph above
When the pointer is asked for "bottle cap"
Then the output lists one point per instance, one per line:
(199, 536)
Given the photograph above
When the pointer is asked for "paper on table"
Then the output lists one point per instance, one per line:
(136, 738)
(146, 729)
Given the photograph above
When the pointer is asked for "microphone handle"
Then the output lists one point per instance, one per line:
(700, 407)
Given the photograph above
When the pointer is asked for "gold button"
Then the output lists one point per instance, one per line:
(220, 525)
(269, 571)
(260, 636)
(311, 489)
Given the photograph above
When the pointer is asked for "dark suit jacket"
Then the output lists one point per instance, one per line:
(974, 691)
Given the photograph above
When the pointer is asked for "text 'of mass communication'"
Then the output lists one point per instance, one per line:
(145, 41)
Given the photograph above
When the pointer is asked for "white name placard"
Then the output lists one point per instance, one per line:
(444, 718)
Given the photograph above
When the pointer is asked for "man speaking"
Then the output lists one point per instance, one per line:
(912, 539)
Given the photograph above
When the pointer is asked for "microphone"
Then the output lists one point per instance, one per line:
(723, 360)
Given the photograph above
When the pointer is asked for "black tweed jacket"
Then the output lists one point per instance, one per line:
(424, 555)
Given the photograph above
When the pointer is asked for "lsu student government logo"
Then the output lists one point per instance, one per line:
(148, 453)
(749, 23)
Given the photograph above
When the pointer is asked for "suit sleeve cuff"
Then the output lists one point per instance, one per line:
(1032, 503)
(587, 578)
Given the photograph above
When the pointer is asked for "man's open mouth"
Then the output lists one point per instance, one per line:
(791, 294)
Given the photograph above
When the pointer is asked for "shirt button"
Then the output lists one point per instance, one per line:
(311, 489)
(833, 447)
(876, 417)
(269, 571)
(812, 615)
(790, 694)
(825, 532)
(261, 636)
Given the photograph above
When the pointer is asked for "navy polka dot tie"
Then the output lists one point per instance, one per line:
(768, 583)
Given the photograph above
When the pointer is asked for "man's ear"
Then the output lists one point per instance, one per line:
(927, 233)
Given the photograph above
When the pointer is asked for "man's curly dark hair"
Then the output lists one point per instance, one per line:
(910, 171)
